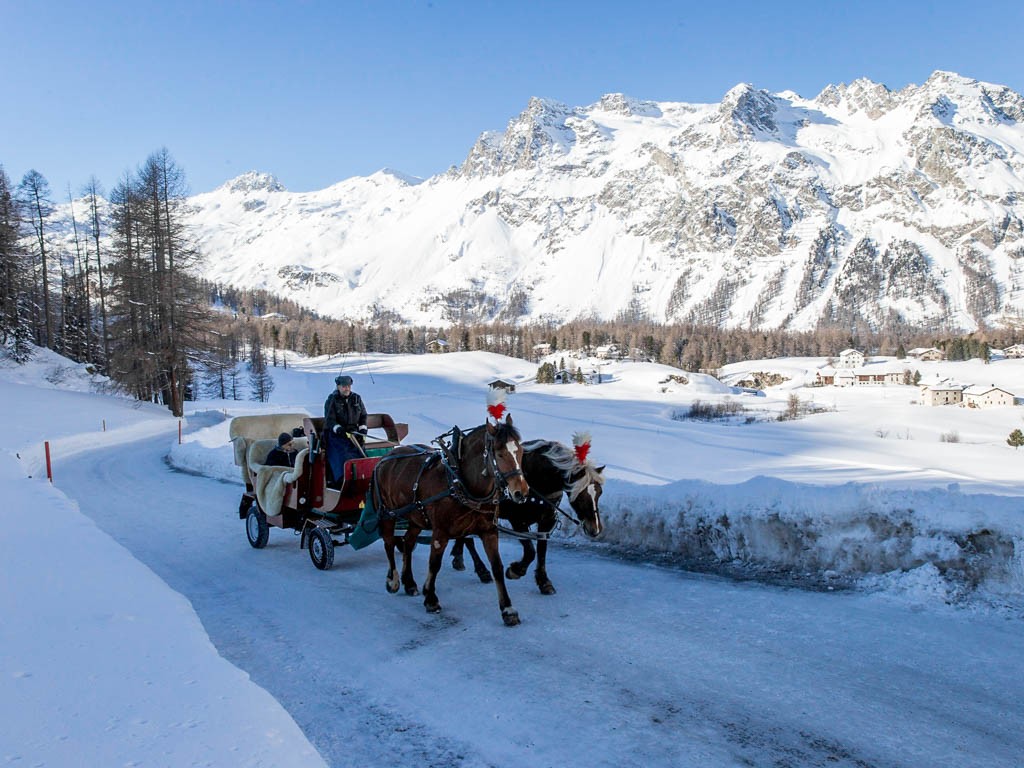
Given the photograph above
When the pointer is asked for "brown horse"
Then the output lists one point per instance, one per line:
(454, 492)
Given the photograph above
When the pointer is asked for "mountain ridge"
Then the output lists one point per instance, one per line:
(862, 206)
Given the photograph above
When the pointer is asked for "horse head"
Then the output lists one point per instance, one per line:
(584, 487)
(503, 452)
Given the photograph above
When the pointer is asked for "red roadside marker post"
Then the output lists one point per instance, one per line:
(49, 468)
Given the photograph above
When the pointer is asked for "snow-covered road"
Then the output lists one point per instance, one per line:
(628, 665)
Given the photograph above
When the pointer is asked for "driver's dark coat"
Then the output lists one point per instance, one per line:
(348, 411)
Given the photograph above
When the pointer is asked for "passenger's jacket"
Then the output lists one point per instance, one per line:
(279, 458)
(349, 412)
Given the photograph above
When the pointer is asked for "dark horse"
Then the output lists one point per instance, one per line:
(453, 492)
(551, 468)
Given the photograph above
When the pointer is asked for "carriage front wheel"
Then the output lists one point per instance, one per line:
(321, 548)
(257, 530)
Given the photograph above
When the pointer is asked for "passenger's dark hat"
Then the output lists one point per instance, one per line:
(345, 381)
(284, 438)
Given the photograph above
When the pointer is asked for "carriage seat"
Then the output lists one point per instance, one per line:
(270, 483)
(245, 430)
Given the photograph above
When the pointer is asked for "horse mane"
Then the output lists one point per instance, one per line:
(564, 460)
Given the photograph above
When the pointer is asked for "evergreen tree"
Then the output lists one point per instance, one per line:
(34, 196)
(1016, 439)
(260, 382)
(95, 225)
(15, 329)
(159, 307)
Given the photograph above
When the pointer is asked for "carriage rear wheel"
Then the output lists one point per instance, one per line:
(321, 548)
(257, 530)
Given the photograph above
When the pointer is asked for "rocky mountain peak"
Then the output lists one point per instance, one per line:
(620, 104)
(746, 110)
(254, 181)
(862, 95)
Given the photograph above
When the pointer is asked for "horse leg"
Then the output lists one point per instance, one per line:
(541, 573)
(408, 545)
(520, 568)
(481, 569)
(458, 563)
(508, 614)
(387, 533)
(438, 544)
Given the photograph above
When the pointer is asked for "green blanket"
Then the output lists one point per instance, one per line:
(367, 529)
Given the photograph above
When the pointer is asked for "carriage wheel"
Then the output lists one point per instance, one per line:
(257, 530)
(321, 548)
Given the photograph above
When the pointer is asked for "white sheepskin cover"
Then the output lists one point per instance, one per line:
(270, 483)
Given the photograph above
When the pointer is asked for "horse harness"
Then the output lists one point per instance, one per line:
(450, 457)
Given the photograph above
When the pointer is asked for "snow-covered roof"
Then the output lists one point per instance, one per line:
(945, 386)
(976, 390)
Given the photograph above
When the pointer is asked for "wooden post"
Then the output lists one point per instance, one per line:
(179, 431)
(104, 425)
(49, 468)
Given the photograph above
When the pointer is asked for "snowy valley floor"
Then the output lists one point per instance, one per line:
(630, 664)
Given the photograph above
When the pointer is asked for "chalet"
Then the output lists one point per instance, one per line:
(845, 377)
(943, 393)
(437, 345)
(539, 350)
(851, 358)
(927, 354)
(608, 352)
(564, 377)
(979, 396)
(1014, 350)
(508, 386)
(275, 316)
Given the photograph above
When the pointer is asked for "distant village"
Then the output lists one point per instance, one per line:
(853, 369)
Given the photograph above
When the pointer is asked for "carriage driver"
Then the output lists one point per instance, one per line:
(344, 427)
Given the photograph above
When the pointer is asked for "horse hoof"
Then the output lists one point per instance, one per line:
(458, 564)
(511, 573)
(412, 591)
(510, 616)
(485, 576)
(432, 607)
(392, 588)
(547, 589)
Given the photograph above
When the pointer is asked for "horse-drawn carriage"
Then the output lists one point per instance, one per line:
(325, 511)
(396, 492)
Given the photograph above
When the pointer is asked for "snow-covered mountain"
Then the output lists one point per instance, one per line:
(764, 210)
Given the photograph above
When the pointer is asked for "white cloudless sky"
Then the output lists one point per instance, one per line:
(316, 92)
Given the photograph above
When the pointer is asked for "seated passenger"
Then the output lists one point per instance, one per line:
(284, 454)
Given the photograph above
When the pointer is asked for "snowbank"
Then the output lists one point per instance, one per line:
(973, 541)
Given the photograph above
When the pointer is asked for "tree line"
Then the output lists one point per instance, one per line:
(124, 296)
(121, 289)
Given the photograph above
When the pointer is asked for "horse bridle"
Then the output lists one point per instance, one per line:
(502, 478)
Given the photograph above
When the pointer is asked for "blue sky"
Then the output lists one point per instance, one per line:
(316, 92)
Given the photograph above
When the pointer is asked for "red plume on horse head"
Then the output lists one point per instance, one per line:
(581, 444)
(496, 404)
